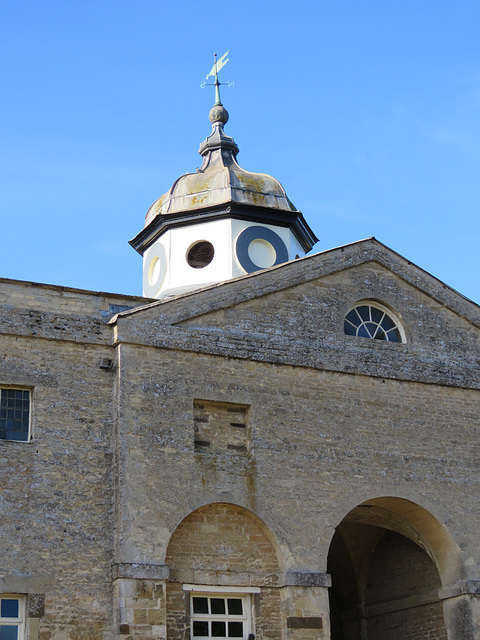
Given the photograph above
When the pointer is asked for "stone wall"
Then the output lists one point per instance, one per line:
(102, 512)
(401, 598)
(223, 545)
(321, 443)
(56, 521)
(56, 518)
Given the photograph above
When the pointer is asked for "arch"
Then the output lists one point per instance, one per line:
(222, 545)
(413, 521)
(389, 555)
(222, 519)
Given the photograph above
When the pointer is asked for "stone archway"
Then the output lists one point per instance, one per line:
(388, 560)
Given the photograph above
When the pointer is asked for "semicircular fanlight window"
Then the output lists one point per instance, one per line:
(369, 321)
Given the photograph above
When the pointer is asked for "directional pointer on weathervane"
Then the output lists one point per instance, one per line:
(214, 73)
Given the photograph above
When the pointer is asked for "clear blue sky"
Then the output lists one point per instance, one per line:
(368, 112)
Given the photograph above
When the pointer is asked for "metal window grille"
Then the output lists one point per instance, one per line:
(14, 415)
(200, 255)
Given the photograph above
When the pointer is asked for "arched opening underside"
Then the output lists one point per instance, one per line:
(387, 560)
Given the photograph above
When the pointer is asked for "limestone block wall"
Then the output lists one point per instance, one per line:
(55, 492)
(293, 314)
(21, 294)
(402, 575)
(118, 502)
(56, 517)
(320, 443)
(140, 608)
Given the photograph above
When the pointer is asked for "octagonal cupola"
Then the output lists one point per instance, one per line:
(218, 223)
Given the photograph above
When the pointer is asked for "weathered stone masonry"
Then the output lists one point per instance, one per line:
(353, 462)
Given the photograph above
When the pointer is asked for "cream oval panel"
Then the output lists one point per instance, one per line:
(154, 271)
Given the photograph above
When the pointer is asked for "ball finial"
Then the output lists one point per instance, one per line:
(218, 113)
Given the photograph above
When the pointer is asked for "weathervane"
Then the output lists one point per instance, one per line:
(214, 73)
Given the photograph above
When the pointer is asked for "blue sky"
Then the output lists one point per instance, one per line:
(368, 112)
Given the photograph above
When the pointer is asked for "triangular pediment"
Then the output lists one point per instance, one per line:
(294, 313)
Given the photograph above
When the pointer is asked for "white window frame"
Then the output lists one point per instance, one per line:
(208, 591)
(19, 622)
(386, 312)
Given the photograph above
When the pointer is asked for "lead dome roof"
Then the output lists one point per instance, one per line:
(220, 179)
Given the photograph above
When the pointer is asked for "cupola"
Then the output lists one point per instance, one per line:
(218, 223)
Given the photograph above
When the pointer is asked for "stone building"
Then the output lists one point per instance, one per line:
(267, 445)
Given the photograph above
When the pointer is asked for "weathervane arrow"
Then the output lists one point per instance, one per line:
(218, 64)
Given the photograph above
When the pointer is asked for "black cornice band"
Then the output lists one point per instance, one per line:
(292, 219)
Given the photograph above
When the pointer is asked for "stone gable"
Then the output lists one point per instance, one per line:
(301, 322)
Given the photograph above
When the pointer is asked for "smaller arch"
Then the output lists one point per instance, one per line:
(220, 547)
(223, 536)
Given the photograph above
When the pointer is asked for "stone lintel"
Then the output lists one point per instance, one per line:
(140, 571)
(307, 579)
(38, 584)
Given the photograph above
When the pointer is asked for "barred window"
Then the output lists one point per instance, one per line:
(14, 416)
(12, 617)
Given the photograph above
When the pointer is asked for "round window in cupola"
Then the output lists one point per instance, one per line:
(200, 254)
(373, 320)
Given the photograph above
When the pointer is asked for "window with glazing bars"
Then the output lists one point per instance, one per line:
(14, 415)
(220, 616)
(12, 617)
